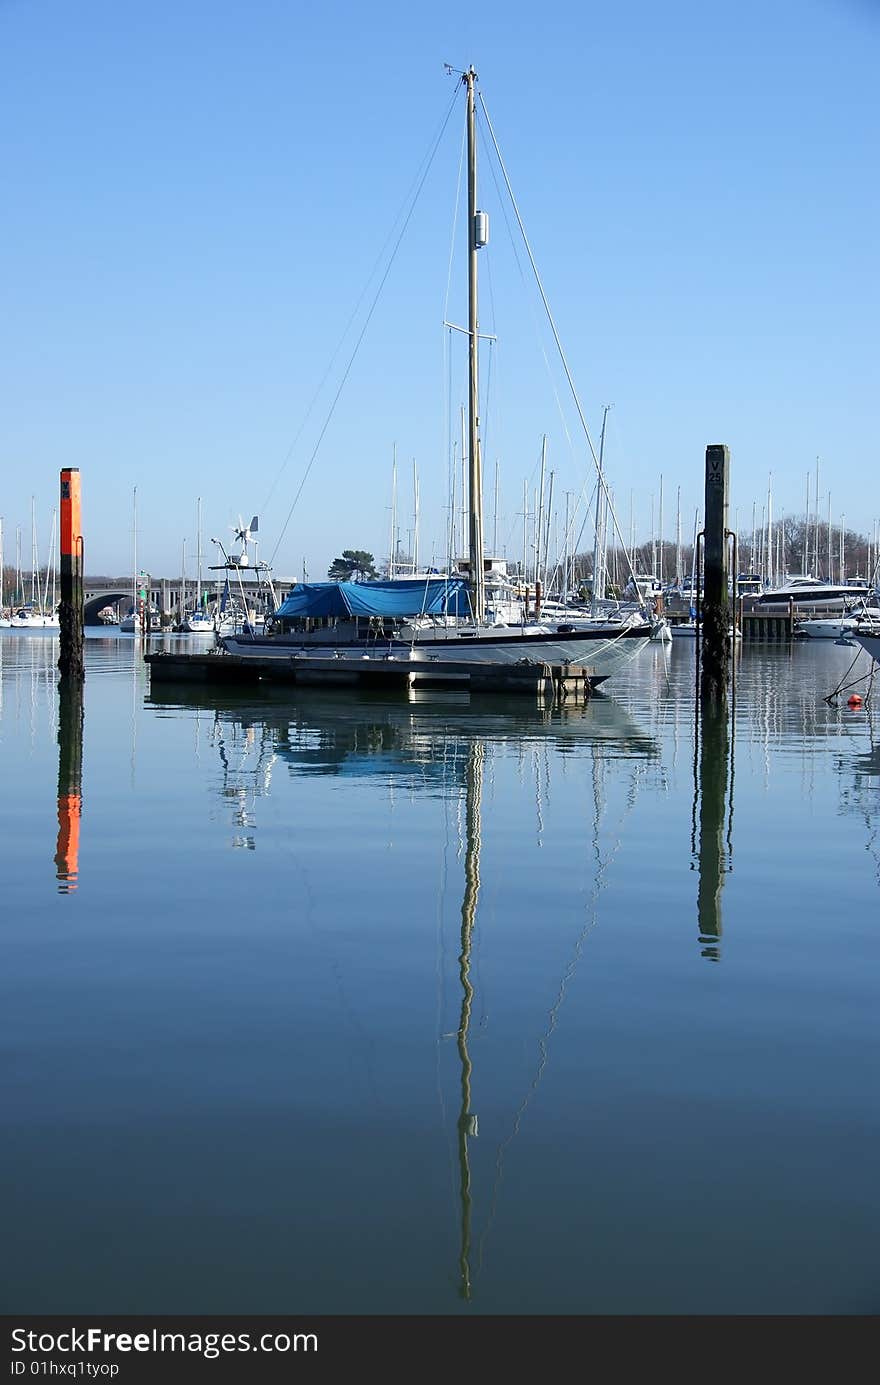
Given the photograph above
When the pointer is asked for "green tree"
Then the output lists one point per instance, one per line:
(355, 563)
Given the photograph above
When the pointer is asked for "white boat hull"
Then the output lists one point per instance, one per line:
(687, 630)
(602, 651)
(34, 622)
(829, 628)
(808, 597)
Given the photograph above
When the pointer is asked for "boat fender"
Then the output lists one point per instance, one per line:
(854, 700)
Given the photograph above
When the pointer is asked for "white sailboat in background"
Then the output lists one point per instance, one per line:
(40, 613)
(135, 619)
(198, 621)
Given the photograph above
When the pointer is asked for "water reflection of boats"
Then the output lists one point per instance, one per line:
(444, 748)
(860, 795)
(338, 733)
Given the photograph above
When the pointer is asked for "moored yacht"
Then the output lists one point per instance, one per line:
(31, 617)
(453, 618)
(420, 621)
(806, 593)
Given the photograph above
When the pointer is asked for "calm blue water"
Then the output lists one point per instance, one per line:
(369, 1004)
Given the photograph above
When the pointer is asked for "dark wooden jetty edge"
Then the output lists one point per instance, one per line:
(536, 679)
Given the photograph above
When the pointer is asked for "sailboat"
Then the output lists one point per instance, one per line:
(38, 613)
(198, 621)
(442, 619)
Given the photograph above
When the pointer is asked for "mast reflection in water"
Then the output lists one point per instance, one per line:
(467, 1120)
(439, 747)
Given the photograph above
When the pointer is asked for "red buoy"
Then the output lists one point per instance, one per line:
(854, 700)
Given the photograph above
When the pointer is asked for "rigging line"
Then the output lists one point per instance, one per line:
(562, 356)
(363, 331)
(345, 332)
(452, 240)
(518, 263)
(843, 686)
(487, 388)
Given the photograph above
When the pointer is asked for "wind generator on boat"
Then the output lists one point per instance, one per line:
(241, 563)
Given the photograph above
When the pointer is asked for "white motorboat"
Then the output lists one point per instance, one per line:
(807, 594)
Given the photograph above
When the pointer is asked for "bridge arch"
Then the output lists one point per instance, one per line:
(95, 601)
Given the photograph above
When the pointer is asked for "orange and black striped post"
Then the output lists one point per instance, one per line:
(70, 611)
(71, 666)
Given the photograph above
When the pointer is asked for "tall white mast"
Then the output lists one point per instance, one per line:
(393, 540)
(183, 581)
(660, 527)
(598, 593)
(807, 530)
(525, 571)
(134, 558)
(45, 608)
(769, 526)
(199, 552)
(539, 515)
(33, 553)
(477, 237)
(547, 527)
(816, 544)
(415, 552)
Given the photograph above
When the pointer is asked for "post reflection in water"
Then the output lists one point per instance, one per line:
(715, 750)
(70, 755)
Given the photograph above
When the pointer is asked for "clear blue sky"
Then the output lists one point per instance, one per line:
(195, 196)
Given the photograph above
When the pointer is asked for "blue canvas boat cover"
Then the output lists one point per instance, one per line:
(399, 598)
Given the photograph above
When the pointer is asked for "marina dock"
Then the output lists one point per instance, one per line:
(549, 681)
